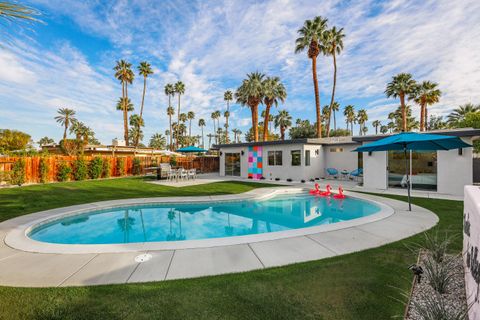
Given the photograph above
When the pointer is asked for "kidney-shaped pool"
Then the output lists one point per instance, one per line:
(178, 222)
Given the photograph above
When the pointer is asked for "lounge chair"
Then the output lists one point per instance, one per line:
(356, 174)
(332, 173)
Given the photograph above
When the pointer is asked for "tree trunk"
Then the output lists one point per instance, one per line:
(203, 139)
(317, 97)
(282, 132)
(334, 122)
(254, 109)
(404, 112)
(65, 132)
(190, 129)
(265, 121)
(426, 118)
(141, 111)
(226, 123)
(125, 116)
(333, 91)
(178, 121)
(171, 132)
(422, 116)
(214, 132)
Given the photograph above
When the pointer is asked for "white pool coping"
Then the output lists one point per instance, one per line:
(191, 258)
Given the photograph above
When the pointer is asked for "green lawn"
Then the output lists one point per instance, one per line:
(363, 285)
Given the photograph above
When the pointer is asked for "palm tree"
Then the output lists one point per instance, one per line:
(331, 45)
(227, 96)
(136, 133)
(179, 90)
(190, 117)
(125, 105)
(458, 115)
(310, 34)
(235, 133)
(210, 136)
(157, 141)
(214, 116)
(349, 113)
(250, 94)
(402, 85)
(283, 120)
(425, 94)
(124, 73)
(170, 113)
(65, 118)
(273, 92)
(391, 126)
(183, 118)
(13, 11)
(217, 117)
(144, 69)
(376, 124)
(201, 124)
(383, 129)
(362, 117)
(335, 108)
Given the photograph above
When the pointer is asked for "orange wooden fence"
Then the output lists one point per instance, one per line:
(32, 164)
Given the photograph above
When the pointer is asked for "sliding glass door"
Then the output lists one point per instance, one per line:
(232, 164)
(422, 165)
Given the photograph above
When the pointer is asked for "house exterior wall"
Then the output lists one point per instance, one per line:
(243, 160)
(454, 171)
(375, 170)
(341, 159)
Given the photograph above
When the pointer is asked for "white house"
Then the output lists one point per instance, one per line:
(306, 159)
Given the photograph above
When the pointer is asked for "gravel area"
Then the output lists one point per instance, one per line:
(454, 299)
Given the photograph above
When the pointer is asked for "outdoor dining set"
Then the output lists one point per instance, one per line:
(166, 171)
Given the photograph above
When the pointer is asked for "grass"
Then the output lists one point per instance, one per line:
(364, 285)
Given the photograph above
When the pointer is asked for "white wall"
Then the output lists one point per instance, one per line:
(345, 160)
(375, 170)
(454, 171)
(471, 245)
(243, 160)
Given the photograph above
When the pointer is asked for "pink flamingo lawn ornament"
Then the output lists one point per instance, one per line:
(326, 193)
(340, 194)
(316, 190)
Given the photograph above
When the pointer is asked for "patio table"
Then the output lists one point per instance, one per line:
(345, 174)
(159, 171)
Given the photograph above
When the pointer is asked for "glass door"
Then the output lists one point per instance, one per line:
(422, 166)
(232, 164)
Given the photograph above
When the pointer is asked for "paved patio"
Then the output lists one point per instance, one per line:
(30, 269)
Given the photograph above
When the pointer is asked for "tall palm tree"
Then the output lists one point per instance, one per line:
(273, 92)
(458, 115)
(283, 120)
(201, 124)
(235, 133)
(362, 117)
(144, 69)
(425, 94)
(335, 108)
(331, 45)
(170, 113)
(349, 113)
(179, 90)
(376, 124)
(65, 117)
(217, 117)
(124, 73)
(227, 96)
(190, 117)
(210, 136)
(250, 94)
(401, 86)
(214, 116)
(310, 35)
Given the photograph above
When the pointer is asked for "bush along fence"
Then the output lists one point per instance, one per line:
(43, 169)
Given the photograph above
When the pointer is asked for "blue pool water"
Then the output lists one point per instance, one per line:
(175, 222)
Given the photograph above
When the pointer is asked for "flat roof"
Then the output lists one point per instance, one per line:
(461, 132)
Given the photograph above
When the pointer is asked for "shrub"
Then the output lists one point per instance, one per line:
(96, 168)
(107, 168)
(439, 274)
(63, 172)
(137, 168)
(81, 170)
(120, 166)
(173, 161)
(43, 168)
(434, 307)
(18, 172)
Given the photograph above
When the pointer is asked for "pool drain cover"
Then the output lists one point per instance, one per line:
(143, 257)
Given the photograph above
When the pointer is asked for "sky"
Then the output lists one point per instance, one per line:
(211, 45)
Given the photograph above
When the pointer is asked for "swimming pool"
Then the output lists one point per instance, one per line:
(206, 220)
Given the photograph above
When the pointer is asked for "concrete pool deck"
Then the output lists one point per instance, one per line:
(55, 267)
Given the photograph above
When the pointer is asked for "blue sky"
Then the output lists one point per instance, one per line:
(212, 45)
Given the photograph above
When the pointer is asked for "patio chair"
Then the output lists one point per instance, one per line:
(332, 173)
(356, 174)
(165, 169)
(182, 174)
(192, 174)
(172, 175)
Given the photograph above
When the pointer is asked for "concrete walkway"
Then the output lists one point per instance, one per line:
(29, 269)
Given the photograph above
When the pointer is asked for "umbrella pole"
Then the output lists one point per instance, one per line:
(408, 177)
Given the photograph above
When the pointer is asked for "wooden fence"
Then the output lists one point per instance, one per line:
(32, 165)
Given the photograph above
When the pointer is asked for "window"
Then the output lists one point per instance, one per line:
(336, 149)
(307, 157)
(296, 157)
(274, 158)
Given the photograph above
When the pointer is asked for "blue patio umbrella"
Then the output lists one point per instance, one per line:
(408, 141)
(191, 149)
